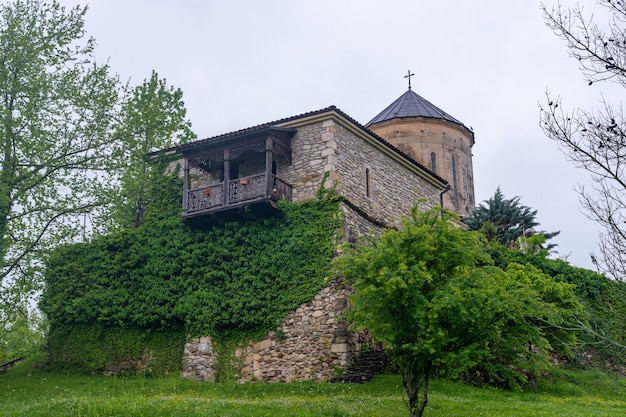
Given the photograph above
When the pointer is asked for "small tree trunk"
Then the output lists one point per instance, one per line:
(416, 388)
(533, 374)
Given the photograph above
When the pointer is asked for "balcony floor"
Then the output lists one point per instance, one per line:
(244, 192)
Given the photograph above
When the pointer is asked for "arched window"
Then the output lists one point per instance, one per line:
(368, 192)
(433, 162)
(454, 184)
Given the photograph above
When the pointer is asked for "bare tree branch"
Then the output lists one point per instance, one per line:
(595, 140)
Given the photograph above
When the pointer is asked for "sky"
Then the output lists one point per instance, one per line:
(488, 63)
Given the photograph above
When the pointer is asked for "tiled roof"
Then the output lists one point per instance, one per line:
(410, 104)
(248, 131)
(274, 125)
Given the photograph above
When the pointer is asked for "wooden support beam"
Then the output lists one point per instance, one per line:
(186, 184)
(268, 166)
(226, 175)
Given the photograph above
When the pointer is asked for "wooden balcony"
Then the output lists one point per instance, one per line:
(235, 194)
(238, 158)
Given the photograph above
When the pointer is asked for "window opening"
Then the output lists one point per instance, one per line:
(234, 170)
(454, 182)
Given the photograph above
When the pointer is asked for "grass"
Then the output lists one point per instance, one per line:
(25, 391)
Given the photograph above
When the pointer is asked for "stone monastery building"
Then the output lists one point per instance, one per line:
(410, 150)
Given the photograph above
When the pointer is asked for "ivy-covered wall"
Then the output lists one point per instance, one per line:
(135, 295)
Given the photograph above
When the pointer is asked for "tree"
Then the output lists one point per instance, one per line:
(595, 140)
(508, 222)
(24, 336)
(56, 106)
(428, 293)
(152, 117)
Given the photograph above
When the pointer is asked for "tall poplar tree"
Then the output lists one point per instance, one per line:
(56, 109)
(153, 117)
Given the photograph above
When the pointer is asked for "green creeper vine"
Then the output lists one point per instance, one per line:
(232, 280)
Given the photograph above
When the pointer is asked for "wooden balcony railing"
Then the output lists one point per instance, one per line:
(235, 193)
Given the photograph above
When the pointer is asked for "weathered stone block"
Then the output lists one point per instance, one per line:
(265, 344)
(340, 348)
(317, 313)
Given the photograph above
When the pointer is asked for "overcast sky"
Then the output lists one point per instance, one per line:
(488, 63)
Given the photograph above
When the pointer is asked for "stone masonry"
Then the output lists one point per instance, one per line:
(312, 343)
(379, 186)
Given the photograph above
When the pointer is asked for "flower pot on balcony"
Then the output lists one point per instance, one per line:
(244, 181)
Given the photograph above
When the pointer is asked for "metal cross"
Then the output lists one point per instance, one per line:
(409, 75)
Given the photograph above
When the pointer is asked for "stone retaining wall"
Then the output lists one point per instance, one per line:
(312, 343)
(380, 186)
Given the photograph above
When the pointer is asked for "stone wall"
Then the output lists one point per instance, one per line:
(380, 186)
(199, 359)
(349, 154)
(394, 188)
(355, 225)
(312, 343)
(309, 154)
(423, 138)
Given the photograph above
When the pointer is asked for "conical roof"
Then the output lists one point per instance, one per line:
(411, 104)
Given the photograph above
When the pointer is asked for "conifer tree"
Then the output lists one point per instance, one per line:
(506, 221)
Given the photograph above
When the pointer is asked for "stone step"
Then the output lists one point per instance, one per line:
(365, 367)
(10, 364)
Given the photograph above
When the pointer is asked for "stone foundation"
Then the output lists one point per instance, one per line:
(199, 360)
(312, 343)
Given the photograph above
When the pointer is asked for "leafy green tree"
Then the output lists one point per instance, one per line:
(428, 293)
(23, 336)
(508, 222)
(152, 118)
(601, 329)
(595, 139)
(56, 107)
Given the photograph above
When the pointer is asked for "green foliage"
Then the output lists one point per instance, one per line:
(88, 349)
(152, 118)
(601, 329)
(231, 280)
(56, 105)
(24, 336)
(428, 293)
(507, 221)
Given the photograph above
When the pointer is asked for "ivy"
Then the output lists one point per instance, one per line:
(88, 349)
(230, 279)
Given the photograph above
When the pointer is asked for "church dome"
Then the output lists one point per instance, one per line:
(436, 140)
(411, 104)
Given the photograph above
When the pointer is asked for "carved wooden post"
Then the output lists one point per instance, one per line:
(269, 144)
(226, 176)
(186, 184)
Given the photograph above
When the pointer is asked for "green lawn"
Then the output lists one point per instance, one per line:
(25, 391)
